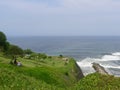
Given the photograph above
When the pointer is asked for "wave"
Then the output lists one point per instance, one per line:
(111, 61)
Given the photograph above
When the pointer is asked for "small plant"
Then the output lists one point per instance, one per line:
(42, 56)
(66, 73)
(28, 51)
(60, 56)
(49, 57)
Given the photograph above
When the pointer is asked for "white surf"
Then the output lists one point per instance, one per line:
(111, 63)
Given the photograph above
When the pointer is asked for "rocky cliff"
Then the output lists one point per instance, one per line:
(98, 68)
(79, 73)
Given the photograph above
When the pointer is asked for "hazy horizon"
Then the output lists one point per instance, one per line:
(62, 36)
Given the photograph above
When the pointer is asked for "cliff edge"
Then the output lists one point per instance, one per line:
(79, 72)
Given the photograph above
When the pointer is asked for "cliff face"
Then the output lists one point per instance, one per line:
(77, 72)
(99, 69)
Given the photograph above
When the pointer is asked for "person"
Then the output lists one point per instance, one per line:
(19, 64)
(15, 61)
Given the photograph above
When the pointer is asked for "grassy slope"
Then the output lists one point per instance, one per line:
(49, 74)
(97, 81)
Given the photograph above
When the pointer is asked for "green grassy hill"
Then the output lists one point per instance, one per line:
(48, 74)
(51, 74)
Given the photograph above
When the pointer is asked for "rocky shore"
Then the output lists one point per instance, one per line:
(98, 68)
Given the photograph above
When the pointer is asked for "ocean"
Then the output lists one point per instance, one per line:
(104, 50)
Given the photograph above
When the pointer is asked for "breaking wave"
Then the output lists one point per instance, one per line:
(110, 62)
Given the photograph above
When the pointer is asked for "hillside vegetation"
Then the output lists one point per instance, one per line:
(38, 71)
(98, 81)
(48, 74)
(51, 74)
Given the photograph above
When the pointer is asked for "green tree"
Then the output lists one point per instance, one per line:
(3, 42)
(15, 51)
(60, 56)
(2, 38)
(42, 56)
(6, 46)
(28, 51)
(33, 56)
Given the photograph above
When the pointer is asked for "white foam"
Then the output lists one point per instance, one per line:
(110, 66)
(110, 58)
(116, 53)
(105, 61)
(86, 62)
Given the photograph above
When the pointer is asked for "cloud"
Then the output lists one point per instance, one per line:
(61, 5)
(22, 4)
(89, 3)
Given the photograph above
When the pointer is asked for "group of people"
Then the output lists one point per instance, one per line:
(15, 62)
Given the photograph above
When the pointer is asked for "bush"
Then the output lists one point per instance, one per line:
(28, 51)
(60, 56)
(15, 51)
(3, 42)
(66, 73)
(42, 56)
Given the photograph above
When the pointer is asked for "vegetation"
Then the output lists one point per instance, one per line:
(28, 51)
(7, 48)
(97, 81)
(38, 71)
(39, 75)
(3, 42)
(60, 56)
(14, 51)
(42, 72)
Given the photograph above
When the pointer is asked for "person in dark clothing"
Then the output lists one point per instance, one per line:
(15, 61)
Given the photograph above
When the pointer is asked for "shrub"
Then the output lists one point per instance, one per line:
(15, 51)
(3, 42)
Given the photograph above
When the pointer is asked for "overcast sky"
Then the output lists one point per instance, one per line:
(60, 17)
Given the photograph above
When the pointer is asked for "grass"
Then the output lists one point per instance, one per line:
(97, 81)
(10, 80)
(51, 74)
(42, 72)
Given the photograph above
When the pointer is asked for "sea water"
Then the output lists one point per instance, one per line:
(104, 50)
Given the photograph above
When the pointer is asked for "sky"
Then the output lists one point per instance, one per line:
(60, 17)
